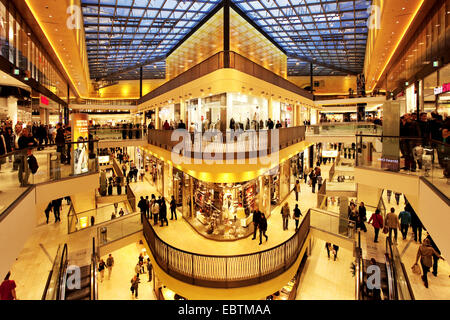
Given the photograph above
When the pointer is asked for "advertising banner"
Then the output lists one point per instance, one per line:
(80, 134)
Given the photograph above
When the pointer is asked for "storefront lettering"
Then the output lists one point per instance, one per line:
(442, 89)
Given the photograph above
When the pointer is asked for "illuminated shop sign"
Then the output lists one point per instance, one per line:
(44, 101)
(442, 89)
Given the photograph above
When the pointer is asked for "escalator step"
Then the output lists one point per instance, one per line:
(82, 294)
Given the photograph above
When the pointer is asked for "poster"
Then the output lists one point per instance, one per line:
(80, 134)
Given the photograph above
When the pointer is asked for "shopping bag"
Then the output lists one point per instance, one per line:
(416, 269)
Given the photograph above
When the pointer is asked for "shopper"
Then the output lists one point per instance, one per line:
(392, 224)
(147, 207)
(101, 269)
(297, 189)
(137, 268)
(329, 248)
(48, 210)
(313, 180)
(163, 212)
(262, 226)
(116, 206)
(149, 269)
(135, 285)
(389, 194)
(297, 214)
(173, 208)
(56, 204)
(8, 288)
(155, 211)
(377, 222)
(319, 182)
(435, 257)
(425, 254)
(405, 221)
(110, 265)
(362, 216)
(335, 251)
(141, 205)
(397, 197)
(150, 205)
(286, 215)
(416, 224)
(256, 220)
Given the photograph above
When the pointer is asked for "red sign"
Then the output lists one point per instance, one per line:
(443, 89)
(44, 100)
(289, 108)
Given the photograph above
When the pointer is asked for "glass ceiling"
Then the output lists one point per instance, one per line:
(123, 33)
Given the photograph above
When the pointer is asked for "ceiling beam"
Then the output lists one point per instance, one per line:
(142, 64)
(322, 64)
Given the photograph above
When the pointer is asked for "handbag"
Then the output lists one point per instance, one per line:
(416, 269)
(385, 230)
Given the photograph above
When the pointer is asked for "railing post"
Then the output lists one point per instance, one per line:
(260, 275)
(193, 278)
(284, 245)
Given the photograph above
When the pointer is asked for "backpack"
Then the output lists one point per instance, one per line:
(32, 164)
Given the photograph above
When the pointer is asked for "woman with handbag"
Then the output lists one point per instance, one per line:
(425, 253)
(377, 222)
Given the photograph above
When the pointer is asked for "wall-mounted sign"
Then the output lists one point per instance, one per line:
(80, 135)
(44, 100)
(330, 154)
(442, 89)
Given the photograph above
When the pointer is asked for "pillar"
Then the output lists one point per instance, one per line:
(270, 103)
(157, 127)
(183, 111)
(11, 103)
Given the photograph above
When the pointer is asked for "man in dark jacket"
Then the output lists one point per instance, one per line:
(412, 132)
(56, 204)
(416, 224)
(256, 220)
(60, 140)
(262, 226)
(163, 212)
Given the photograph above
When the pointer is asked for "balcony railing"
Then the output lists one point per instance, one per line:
(216, 62)
(343, 129)
(245, 144)
(118, 133)
(429, 159)
(55, 163)
(226, 271)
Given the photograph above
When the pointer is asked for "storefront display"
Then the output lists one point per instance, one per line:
(287, 115)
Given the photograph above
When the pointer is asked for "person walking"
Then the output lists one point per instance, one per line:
(435, 257)
(137, 267)
(313, 179)
(362, 216)
(389, 194)
(110, 265)
(173, 208)
(8, 288)
(377, 222)
(262, 226)
(163, 212)
(285, 212)
(319, 182)
(135, 285)
(397, 197)
(405, 221)
(56, 204)
(392, 224)
(147, 207)
(149, 269)
(256, 220)
(297, 189)
(116, 206)
(155, 211)
(101, 269)
(297, 214)
(329, 248)
(416, 224)
(47, 210)
(425, 254)
(335, 251)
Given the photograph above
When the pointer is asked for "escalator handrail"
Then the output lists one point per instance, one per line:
(390, 270)
(94, 288)
(60, 294)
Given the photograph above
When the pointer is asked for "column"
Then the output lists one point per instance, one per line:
(270, 100)
(11, 102)
(157, 118)
(183, 111)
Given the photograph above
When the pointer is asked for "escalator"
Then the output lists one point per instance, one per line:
(65, 282)
(394, 282)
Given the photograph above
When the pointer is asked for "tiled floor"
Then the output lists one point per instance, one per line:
(326, 279)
